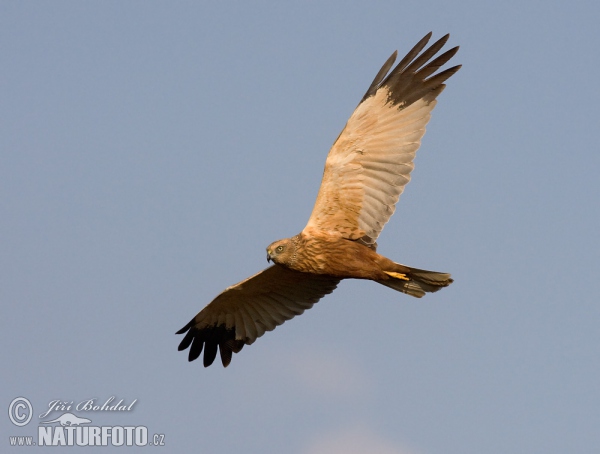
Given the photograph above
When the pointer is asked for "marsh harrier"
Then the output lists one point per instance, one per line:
(365, 173)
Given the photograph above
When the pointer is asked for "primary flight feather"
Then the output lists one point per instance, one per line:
(365, 173)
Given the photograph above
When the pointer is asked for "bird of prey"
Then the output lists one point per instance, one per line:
(365, 173)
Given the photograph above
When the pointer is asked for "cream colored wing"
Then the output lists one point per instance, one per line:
(243, 312)
(370, 162)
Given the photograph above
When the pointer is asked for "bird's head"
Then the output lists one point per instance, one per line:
(282, 252)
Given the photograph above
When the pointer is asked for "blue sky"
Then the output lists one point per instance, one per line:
(150, 151)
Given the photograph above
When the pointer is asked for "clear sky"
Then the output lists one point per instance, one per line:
(150, 151)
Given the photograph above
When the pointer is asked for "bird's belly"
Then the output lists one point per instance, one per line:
(343, 259)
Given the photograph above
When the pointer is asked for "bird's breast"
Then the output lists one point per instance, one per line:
(336, 257)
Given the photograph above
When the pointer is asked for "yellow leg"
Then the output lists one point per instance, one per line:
(397, 275)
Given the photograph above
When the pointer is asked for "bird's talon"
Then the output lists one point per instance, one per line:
(397, 275)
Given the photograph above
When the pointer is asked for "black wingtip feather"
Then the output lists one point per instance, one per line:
(226, 354)
(437, 63)
(186, 327)
(412, 54)
(408, 81)
(195, 349)
(210, 340)
(427, 54)
(440, 78)
(210, 353)
(380, 76)
(186, 341)
(412, 79)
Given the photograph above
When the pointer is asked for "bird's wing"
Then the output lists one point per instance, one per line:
(370, 162)
(243, 312)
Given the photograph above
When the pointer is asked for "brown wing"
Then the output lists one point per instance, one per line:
(243, 312)
(370, 162)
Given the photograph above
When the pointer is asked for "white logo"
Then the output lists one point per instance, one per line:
(75, 435)
(69, 429)
(68, 419)
(20, 411)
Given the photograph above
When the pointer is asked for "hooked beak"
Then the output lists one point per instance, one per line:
(268, 256)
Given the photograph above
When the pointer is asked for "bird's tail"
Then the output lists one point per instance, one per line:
(416, 282)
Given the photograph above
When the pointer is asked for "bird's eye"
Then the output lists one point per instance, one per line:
(279, 248)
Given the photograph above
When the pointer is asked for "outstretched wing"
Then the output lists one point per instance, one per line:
(370, 162)
(243, 312)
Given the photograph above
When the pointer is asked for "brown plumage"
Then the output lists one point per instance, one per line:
(365, 174)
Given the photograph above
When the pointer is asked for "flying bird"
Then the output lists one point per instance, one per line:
(365, 172)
